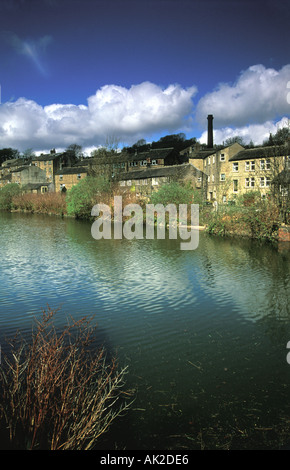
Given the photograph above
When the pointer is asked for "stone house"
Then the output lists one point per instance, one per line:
(218, 168)
(144, 182)
(113, 164)
(233, 171)
(53, 162)
(255, 169)
(68, 177)
(28, 174)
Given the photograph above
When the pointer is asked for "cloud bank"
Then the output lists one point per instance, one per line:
(252, 107)
(259, 95)
(125, 113)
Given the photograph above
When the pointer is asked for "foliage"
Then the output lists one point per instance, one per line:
(82, 197)
(258, 221)
(8, 154)
(173, 193)
(59, 392)
(6, 195)
(249, 198)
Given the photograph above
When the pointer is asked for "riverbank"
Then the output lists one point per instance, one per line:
(258, 220)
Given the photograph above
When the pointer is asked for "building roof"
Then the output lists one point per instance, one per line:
(259, 152)
(21, 168)
(122, 157)
(173, 170)
(72, 170)
(46, 157)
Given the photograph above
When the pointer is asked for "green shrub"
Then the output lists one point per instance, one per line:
(82, 197)
(173, 193)
(6, 195)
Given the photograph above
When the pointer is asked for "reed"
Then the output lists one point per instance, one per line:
(47, 203)
(59, 392)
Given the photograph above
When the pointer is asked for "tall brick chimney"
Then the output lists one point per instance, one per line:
(210, 131)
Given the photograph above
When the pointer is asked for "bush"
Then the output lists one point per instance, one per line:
(6, 195)
(82, 197)
(55, 393)
(173, 193)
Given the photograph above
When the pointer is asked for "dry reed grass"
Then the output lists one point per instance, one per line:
(57, 394)
(46, 203)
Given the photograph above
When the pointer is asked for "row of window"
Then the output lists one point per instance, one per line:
(79, 176)
(140, 182)
(265, 164)
(251, 165)
(222, 159)
(142, 163)
(249, 182)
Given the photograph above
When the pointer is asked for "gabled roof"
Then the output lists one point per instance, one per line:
(259, 152)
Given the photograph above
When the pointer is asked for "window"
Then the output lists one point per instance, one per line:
(154, 162)
(79, 176)
(122, 183)
(129, 183)
(199, 179)
(265, 164)
(235, 187)
(250, 182)
(250, 166)
(209, 160)
(60, 177)
(208, 179)
(143, 163)
(154, 181)
(267, 181)
(222, 157)
(213, 159)
(235, 166)
(212, 178)
(223, 177)
(262, 182)
(287, 163)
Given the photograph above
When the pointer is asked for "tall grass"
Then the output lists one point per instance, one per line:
(58, 392)
(47, 203)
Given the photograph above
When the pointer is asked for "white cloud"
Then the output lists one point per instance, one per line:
(125, 113)
(257, 133)
(259, 95)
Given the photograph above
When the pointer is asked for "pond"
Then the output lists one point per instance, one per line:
(204, 332)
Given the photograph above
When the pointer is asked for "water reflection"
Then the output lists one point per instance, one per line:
(203, 330)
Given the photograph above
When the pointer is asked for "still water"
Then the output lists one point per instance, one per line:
(204, 332)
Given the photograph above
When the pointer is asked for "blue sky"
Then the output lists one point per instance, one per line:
(83, 71)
